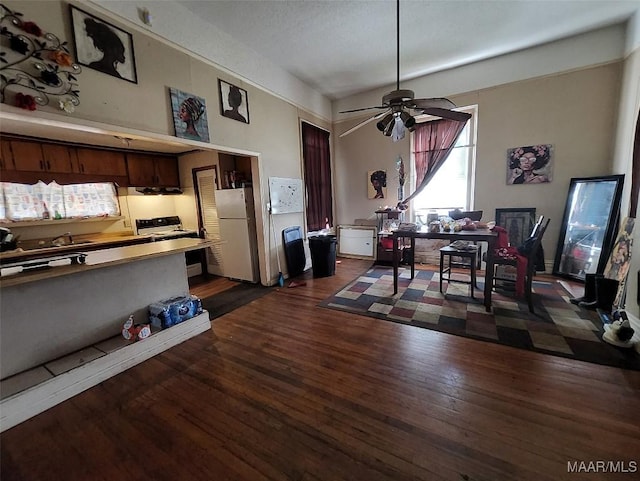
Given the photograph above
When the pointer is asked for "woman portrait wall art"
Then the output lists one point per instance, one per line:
(189, 115)
(529, 165)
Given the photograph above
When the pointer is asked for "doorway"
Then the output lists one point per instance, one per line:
(205, 181)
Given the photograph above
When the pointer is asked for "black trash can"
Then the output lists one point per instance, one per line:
(323, 255)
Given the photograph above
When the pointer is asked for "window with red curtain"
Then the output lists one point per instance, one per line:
(317, 176)
(434, 141)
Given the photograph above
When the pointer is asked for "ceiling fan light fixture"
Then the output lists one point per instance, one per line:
(398, 130)
(395, 118)
(408, 121)
(384, 123)
(389, 128)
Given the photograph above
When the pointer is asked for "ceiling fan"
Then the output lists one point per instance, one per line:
(395, 118)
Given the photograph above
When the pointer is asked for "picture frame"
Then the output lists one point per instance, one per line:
(189, 115)
(234, 102)
(102, 46)
(518, 222)
(377, 184)
(530, 164)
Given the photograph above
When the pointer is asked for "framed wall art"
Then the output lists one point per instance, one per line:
(377, 184)
(102, 46)
(234, 102)
(531, 164)
(518, 222)
(189, 115)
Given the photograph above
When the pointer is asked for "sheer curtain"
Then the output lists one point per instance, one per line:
(433, 143)
(317, 176)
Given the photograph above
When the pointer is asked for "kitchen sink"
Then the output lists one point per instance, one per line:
(32, 247)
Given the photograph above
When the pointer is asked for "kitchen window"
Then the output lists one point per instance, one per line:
(23, 202)
(452, 185)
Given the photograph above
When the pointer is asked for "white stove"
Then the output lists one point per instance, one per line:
(166, 228)
(163, 228)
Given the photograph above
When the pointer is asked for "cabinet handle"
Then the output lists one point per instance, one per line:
(82, 168)
(48, 165)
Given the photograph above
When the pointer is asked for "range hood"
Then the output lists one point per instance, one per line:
(157, 190)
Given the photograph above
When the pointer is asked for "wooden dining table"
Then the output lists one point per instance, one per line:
(478, 235)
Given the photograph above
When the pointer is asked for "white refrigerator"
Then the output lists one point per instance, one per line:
(239, 244)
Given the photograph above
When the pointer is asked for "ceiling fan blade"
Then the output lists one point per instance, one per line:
(364, 122)
(447, 114)
(440, 103)
(364, 108)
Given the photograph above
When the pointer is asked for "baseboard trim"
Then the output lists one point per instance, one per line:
(34, 400)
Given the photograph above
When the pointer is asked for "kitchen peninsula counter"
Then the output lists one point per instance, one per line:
(106, 257)
(48, 313)
(84, 243)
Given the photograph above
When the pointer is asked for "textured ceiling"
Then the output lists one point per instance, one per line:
(342, 47)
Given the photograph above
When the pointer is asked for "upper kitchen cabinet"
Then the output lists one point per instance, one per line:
(152, 170)
(6, 158)
(59, 158)
(102, 163)
(29, 161)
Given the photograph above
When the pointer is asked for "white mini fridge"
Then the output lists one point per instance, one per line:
(239, 243)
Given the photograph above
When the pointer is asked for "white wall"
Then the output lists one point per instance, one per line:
(629, 107)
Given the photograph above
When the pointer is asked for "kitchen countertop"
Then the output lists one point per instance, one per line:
(99, 259)
(83, 243)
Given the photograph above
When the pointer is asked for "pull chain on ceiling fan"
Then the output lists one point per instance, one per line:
(395, 119)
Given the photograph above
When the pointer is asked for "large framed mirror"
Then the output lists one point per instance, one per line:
(590, 221)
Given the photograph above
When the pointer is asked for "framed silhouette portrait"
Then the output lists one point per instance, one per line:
(102, 46)
(234, 103)
(189, 115)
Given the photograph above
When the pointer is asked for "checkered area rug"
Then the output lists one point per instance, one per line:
(557, 327)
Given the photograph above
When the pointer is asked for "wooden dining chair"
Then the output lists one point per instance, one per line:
(462, 260)
(534, 242)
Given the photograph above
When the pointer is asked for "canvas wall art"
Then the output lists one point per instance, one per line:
(189, 115)
(531, 164)
(234, 102)
(102, 46)
(377, 184)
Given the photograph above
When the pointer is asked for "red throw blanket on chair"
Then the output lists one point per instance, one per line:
(504, 250)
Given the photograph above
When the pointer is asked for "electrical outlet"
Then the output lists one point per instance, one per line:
(127, 223)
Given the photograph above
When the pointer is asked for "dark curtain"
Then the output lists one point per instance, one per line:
(635, 172)
(317, 176)
(433, 143)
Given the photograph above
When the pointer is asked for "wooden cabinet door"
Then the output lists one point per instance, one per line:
(28, 156)
(167, 171)
(141, 170)
(101, 162)
(58, 158)
(6, 157)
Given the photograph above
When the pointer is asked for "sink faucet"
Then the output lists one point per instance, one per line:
(59, 240)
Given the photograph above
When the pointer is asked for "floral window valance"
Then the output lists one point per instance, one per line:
(20, 202)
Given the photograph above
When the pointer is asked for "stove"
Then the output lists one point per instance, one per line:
(163, 228)
(166, 228)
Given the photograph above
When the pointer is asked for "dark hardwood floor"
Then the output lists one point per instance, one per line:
(281, 389)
